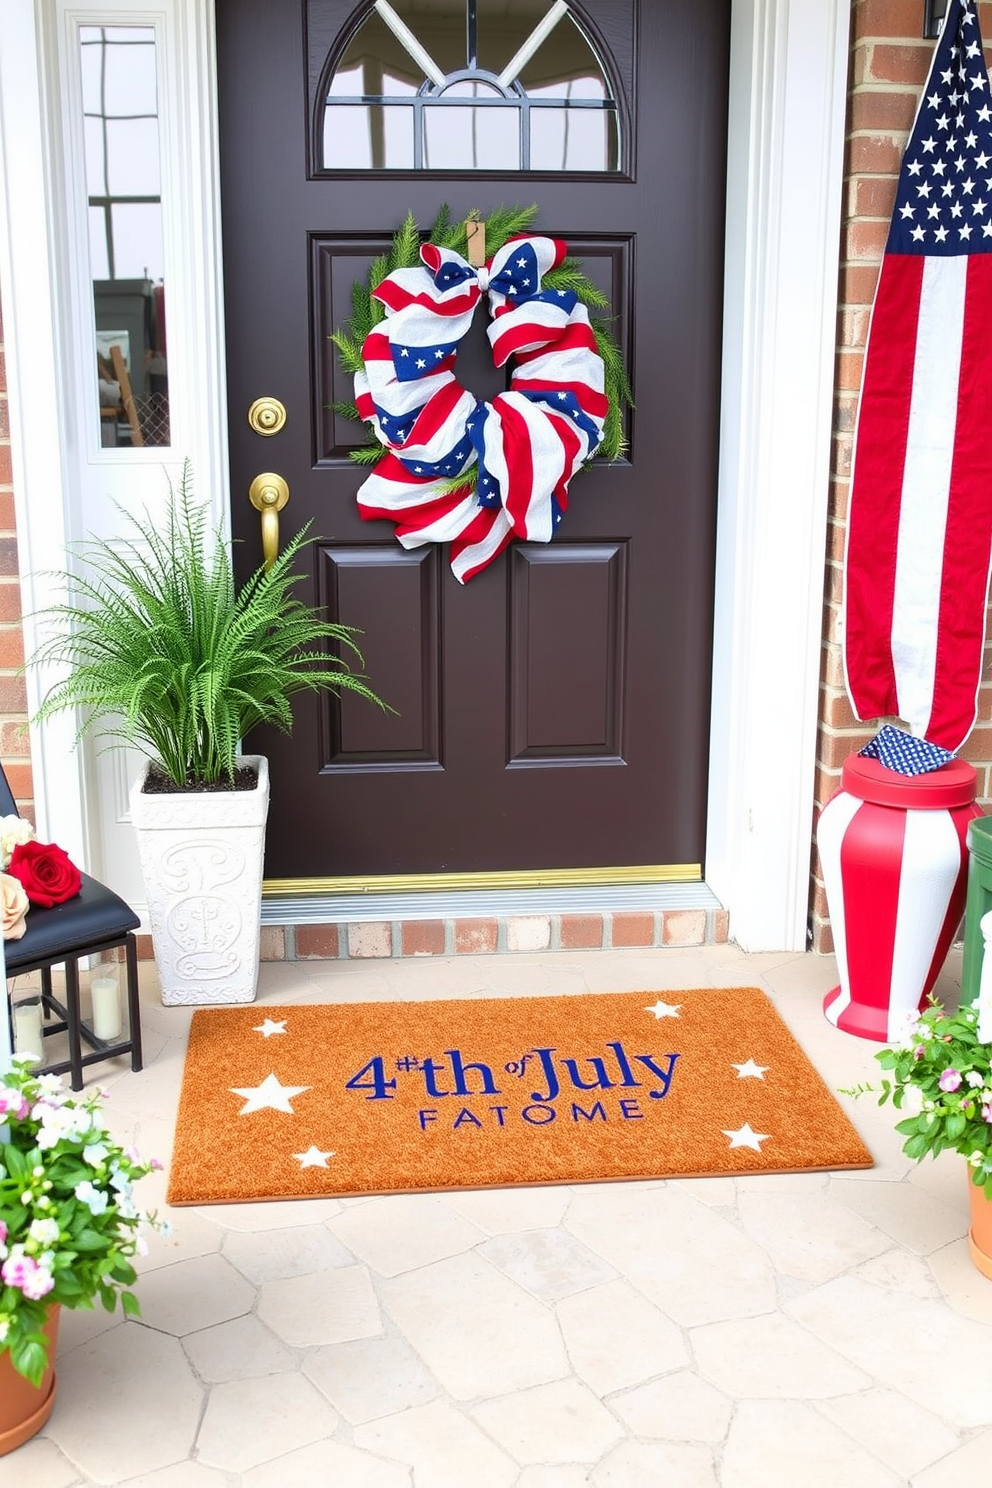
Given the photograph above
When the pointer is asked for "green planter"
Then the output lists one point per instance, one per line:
(977, 904)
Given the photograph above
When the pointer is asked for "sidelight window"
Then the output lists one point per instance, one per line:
(465, 85)
(124, 195)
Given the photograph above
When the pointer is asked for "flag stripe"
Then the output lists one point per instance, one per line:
(968, 542)
(926, 487)
(876, 480)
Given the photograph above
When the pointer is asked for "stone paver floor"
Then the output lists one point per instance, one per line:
(802, 1331)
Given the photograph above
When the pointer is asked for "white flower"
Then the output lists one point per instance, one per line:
(58, 1123)
(120, 1180)
(913, 1102)
(95, 1153)
(94, 1198)
(975, 1079)
(13, 830)
(976, 1159)
(44, 1231)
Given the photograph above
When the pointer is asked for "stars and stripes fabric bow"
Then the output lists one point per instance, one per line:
(920, 518)
(526, 444)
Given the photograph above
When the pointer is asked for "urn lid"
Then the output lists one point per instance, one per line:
(938, 790)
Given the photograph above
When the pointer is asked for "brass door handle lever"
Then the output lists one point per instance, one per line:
(268, 494)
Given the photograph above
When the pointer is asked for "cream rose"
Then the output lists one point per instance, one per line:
(13, 830)
(13, 906)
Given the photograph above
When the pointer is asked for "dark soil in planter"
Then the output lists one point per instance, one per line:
(157, 783)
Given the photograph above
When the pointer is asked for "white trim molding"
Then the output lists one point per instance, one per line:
(788, 87)
(785, 175)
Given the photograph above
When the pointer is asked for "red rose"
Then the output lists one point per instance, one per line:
(46, 872)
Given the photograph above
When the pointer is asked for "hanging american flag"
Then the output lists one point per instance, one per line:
(920, 518)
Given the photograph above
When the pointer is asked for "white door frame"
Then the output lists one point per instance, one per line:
(787, 103)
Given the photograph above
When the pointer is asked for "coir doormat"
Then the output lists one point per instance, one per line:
(298, 1102)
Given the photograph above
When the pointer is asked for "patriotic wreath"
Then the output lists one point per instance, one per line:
(448, 467)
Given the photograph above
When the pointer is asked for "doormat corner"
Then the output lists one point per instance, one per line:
(365, 1098)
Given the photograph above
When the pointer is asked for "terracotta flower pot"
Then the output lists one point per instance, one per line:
(24, 1408)
(980, 1234)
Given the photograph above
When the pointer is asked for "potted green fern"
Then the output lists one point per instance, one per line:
(161, 649)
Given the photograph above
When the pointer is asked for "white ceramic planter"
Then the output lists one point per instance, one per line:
(201, 858)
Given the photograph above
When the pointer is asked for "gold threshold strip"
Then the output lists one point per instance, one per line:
(526, 878)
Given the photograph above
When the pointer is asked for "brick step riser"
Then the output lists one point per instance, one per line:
(510, 935)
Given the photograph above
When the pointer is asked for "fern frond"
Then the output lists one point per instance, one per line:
(468, 483)
(442, 230)
(349, 350)
(378, 269)
(568, 275)
(160, 648)
(503, 223)
(405, 250)
(346, 410)
(618, 392)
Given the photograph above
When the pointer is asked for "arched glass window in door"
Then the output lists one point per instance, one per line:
(459, 85)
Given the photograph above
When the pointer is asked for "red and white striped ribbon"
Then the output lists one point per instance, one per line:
(531, 439)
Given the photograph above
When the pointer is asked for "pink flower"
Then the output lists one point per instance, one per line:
(987, 1113)
(17, 1269)
(38, 1283)
(919, 1051)
(3, 1231)
(950, 1079)
(12, 1103)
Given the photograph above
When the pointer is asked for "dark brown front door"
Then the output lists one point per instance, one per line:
(553, 712)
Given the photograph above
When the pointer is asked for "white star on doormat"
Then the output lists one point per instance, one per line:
(664, 1009)
(269, 1095)
(745, 1137)
(751, 1071)
(269, 1027)
(312, 1158)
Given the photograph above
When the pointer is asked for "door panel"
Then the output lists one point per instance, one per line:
(566, 701)
(400, 593)
(553, 712)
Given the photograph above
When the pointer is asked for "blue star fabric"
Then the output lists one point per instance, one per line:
(904, 753)
(944, 198)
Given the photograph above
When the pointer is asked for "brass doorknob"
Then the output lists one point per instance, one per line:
(268, 494)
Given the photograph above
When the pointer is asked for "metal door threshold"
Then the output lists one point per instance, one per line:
(342, 908)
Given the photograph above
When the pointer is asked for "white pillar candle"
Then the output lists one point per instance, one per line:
(27, 1028)
(106, 1007)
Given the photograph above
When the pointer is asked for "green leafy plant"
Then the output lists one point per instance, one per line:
(68, 1223)
(501, 224)
(942, 1071)
(163, 649)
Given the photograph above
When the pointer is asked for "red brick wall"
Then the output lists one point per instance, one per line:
(889, 62)
(14, 751)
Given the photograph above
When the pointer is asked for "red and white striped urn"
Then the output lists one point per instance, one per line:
(894, 857)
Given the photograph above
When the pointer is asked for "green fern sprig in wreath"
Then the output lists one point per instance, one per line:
(502, 224)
